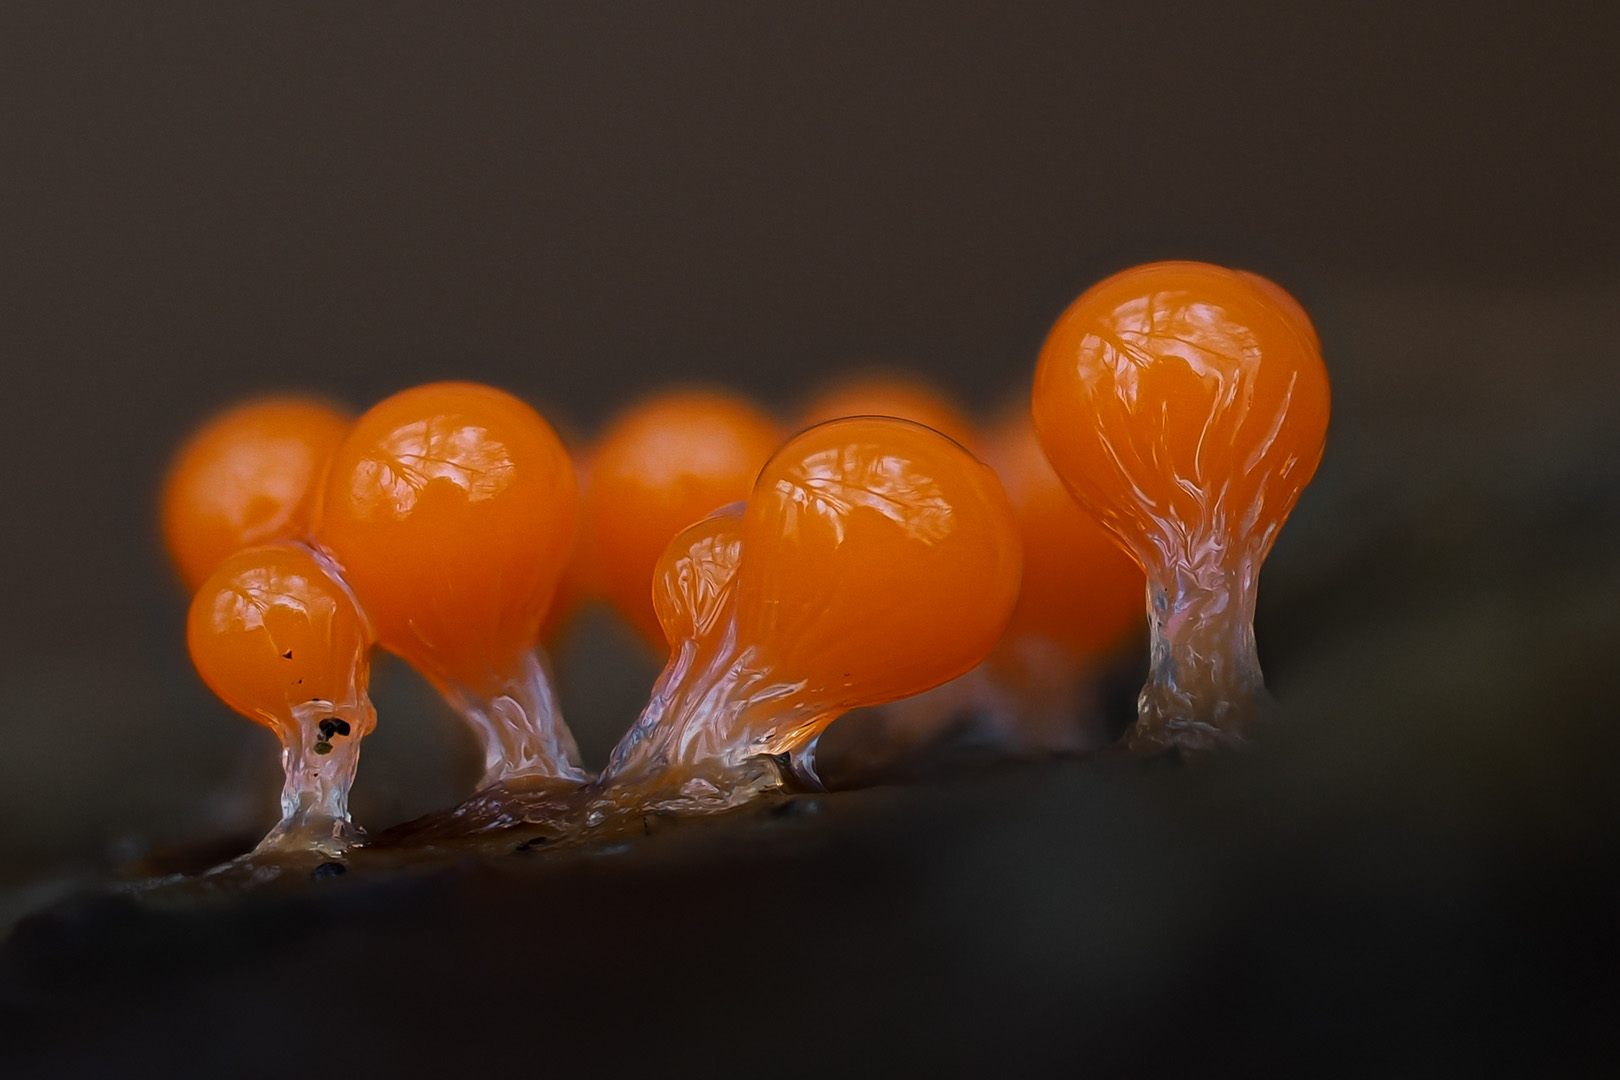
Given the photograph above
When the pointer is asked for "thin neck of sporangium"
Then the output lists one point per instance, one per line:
(520, 728)
(1204, 685)
(320, 768)
(705, 740)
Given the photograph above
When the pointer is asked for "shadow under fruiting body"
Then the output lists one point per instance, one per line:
(277, 636)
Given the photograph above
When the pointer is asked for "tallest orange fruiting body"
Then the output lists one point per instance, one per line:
(1186, 405)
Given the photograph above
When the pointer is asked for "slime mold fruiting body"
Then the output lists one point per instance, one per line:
(248, 476)
(451, 508)
(280, 640)
(1185, 406)
(874, 559)
(658, 468)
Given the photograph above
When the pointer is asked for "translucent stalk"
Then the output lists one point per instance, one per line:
(320, 752)
(1204, 686)
(532, 770)
(717, 732)
(525, 742)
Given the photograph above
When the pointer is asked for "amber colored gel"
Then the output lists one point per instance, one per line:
(1186, 405)
(658, 468)
(248, 476)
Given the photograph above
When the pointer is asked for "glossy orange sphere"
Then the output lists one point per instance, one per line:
(451, 508)
(272, 633)
(661, 466)
(248, 476)
(905, 397)
(1079, 589)
(1186, 406)
(879, 559)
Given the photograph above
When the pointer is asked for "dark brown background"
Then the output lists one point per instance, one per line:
(580, 203)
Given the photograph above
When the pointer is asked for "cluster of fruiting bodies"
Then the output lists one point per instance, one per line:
(857, 557)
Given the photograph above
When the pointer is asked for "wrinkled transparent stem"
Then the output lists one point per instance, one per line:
(320, 763)
(1204, 685)
(717, 732)
(521, 730)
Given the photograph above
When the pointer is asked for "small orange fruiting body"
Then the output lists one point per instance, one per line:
(659, 467)
(451, 508)
(902, 396)
(1186, 406)
(249, 476)
(279, 639)
(270, 631)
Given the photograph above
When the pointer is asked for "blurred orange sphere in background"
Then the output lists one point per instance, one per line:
(1079, 589)
(903, 396)
(660, 466)
(250, 475)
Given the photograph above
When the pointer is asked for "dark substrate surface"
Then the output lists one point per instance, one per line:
(1414, 871)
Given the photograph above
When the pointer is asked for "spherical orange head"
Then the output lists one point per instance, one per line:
(451, 508)
(905, 397)
(659, 467)
(1185, 406)
(879, 559)
(248, 476)
(271, 632)
(1079, 588)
